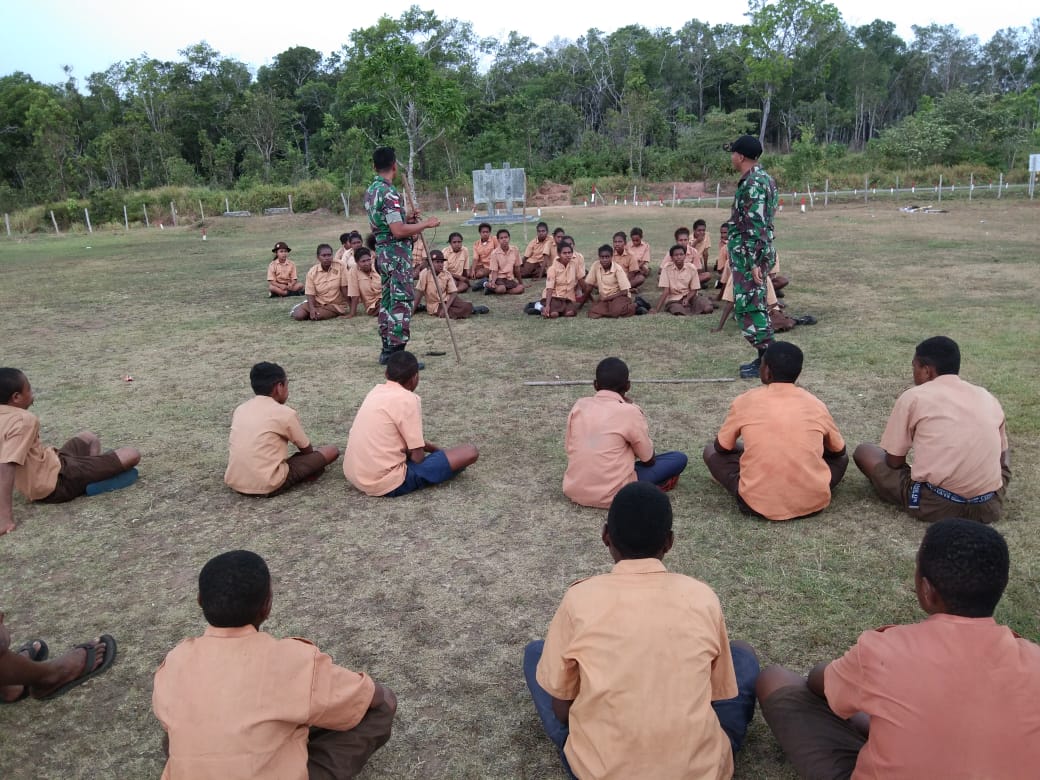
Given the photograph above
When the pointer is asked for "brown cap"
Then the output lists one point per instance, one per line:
(281, 245)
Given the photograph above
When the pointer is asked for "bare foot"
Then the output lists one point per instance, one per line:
(7, 527)
(68, 667)
(10, 693)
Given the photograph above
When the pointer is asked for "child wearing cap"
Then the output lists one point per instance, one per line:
(442, 296)
(281, 273)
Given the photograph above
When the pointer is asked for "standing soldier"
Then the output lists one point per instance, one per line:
(750, 244)
(393, 234)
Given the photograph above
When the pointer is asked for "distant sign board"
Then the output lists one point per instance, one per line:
(1034, 163)
(504, 185)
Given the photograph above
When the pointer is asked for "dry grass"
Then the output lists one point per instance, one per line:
(436, 593)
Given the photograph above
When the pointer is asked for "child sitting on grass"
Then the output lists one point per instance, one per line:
(952, 696)
(637, 677)
(44, 473)
(261, 429)
(281, 273)
(237, 703)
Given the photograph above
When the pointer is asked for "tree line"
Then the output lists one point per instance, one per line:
(648, 104)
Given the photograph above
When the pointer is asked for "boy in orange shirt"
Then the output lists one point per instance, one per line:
(445, 285)
(679, 287)
(565, 289)
(281, 273)
(637, 676)
(364, 284)
(482, 250)
(387, 454)
(238, 703)
(640, 251)
(504, 265)
(952, 696)
(456, 260)
(609, 279)
(778, 452)
(538, 255)
(43, 473)
(261, 429)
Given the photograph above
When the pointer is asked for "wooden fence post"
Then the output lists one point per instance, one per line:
(55, 223)
(173, 213)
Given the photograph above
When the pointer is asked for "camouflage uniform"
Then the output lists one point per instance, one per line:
(393, 261)
(751, 244)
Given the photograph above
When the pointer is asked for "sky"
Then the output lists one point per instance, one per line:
(38, 37)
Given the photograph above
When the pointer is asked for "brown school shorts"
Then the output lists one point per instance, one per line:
(301, 467)
(562, 305)
(79, 468)
(817, 742)
(893, 485)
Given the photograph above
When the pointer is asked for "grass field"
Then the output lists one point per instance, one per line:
(435, 594)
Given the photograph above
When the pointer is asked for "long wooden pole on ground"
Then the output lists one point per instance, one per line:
(436, 284)
(677, 381)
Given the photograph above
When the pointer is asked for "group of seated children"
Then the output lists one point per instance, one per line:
(386, 455)
(338, 282)
(334, 286)
(779, 452)
(633, 660)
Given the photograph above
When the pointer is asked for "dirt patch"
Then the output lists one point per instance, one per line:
(551, 194)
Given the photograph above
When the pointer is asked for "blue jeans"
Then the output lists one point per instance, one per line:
(432, 471)
(666, 465)
(734, 714)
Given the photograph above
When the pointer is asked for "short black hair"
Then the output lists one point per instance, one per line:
(370, 241)
(320, 247)
(542, 224)
(401, 367)
(680, 247)
(639, 520)
(612, 374)
(383, 158)
(967, 563)
(264, 376)
(233, 588)
(681, 231)
(483, 225)
(784, 360)
(620, 234)
(558, 231)
(362, 252)
(12, 380)
(636, 231)
(453, 235)
(700, 223)
(344, 237)
(568, 239)
(500, 231)
(941, 353)
(605, 249)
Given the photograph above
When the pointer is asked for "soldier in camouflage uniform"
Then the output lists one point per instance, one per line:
(393, 235)
(750, 246)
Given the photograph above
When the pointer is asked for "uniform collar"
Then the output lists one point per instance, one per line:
(639, 566)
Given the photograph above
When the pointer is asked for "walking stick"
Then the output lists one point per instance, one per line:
(437, 285)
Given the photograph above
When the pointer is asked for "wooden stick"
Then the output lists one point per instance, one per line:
(437, 285)
(563, 382)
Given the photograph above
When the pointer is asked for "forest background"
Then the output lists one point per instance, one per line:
(829, 101)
